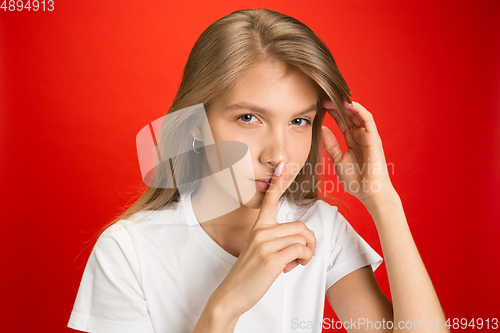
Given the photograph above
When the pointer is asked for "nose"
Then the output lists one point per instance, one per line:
(275, 151)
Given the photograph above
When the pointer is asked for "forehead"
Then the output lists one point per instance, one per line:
(269, 86)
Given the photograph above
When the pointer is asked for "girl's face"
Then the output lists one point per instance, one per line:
(272, 114)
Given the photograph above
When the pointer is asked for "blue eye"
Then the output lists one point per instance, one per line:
(247, 117)
(306, 120)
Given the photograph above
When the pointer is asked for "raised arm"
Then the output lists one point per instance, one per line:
(415, 305)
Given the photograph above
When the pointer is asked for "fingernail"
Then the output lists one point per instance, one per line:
(279, 169)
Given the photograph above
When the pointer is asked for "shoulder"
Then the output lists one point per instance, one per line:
(142, 218)
(114, 242)
(115, 249)
(122, 232)
(119, 233)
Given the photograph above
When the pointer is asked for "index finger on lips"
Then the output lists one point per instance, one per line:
(269, 207)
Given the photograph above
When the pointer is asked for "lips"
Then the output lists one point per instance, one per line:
(262, 184)
(264, 180)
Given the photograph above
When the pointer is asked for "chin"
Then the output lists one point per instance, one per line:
(256, 201)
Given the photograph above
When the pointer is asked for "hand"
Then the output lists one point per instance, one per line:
(271, 248)
(362, 170)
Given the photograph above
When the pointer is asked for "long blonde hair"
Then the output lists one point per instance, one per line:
(227, 48)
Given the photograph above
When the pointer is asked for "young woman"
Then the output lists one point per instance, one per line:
(257, 253)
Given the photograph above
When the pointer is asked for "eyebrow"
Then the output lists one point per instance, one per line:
(256, 108)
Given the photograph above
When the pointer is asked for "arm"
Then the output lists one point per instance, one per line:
(357, 295)
(413, 295)
(216, 318)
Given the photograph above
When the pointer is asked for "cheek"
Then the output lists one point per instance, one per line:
(299, 151)
(224, 130)
(218, 131)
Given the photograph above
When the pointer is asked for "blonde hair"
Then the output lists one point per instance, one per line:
(226, 49)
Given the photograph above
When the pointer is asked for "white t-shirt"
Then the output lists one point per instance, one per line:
(155, 271)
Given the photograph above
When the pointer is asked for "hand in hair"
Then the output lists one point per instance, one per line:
(362, 169)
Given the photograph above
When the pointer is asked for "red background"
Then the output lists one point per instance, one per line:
(78, 83)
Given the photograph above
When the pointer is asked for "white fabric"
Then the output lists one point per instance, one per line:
(155, 272)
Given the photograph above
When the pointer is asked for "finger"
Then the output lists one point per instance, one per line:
(340, 123)
(331, 144)
(356, 120)
(293, 229)
(294, 252)
(269, 206)
(291, 265)
(334, 112)
(358, 114)
(278, 244)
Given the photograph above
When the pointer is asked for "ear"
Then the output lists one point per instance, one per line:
(196, 133)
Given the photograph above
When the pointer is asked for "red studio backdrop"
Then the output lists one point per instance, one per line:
(79, 82)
